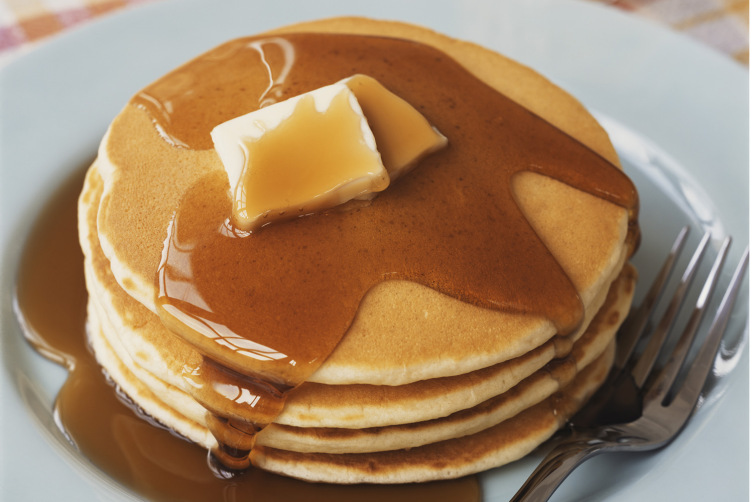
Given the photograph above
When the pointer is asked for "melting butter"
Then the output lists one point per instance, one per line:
(299, 156)
(403, 135)
(320, 149)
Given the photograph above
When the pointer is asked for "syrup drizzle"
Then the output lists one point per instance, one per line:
(108, 429)
(290, 291)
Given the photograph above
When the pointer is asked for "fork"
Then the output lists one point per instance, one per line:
(640, 407)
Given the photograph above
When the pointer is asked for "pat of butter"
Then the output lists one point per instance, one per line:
(320, 149)
(299, 156)
(403, 135)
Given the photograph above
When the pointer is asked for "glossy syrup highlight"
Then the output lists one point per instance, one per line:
(294, 288)
(108, 429)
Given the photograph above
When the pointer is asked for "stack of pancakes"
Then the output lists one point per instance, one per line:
(422, 386)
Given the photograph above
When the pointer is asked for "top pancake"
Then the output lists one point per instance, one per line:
(402, 332)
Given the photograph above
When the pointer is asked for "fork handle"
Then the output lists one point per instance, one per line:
(557, 466)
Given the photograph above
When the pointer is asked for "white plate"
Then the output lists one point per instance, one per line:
(677, 111)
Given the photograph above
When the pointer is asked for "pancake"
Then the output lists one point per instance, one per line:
(339, 437)
(421, 382)
(502, 443)
(133, 332)
(137, 206)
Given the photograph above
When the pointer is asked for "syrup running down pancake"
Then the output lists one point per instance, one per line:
(446, 326)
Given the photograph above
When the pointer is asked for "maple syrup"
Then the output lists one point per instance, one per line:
(293, 289)
(423, 248)
(112, 432)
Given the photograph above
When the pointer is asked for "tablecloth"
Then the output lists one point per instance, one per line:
(721, 24)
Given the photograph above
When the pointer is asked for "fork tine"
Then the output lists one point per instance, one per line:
(659, 424)
(670, 370)
(639, 318)
(650, 353)
(691, 389)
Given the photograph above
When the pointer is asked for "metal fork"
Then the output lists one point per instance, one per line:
(641, 408)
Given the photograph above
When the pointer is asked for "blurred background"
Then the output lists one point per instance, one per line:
(721, 24)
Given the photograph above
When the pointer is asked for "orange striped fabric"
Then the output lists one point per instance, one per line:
(722, 24)
(24, 22)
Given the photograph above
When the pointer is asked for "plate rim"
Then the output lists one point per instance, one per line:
(59, 44)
